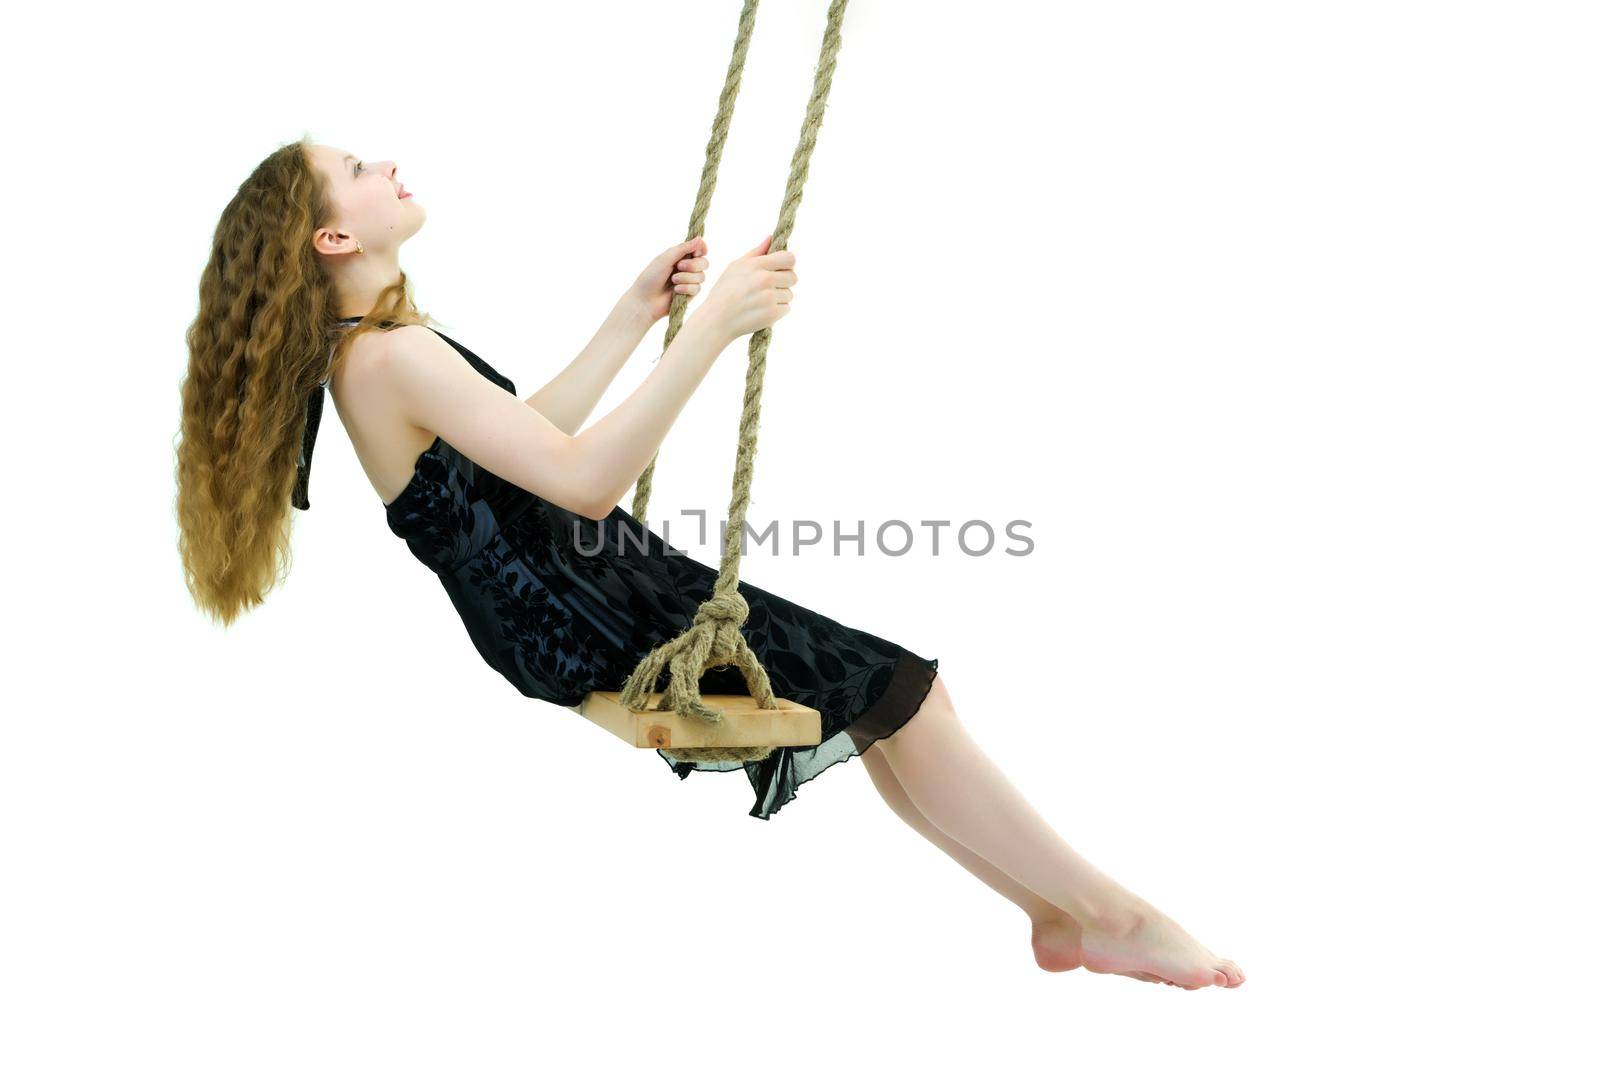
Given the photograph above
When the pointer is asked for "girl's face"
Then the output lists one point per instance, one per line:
(371, 204)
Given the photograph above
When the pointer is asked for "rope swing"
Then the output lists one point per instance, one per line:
(714, 639)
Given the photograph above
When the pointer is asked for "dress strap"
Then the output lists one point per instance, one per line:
(300, 497)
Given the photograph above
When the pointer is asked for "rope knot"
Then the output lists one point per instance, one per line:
(722, 616)
(724, 609)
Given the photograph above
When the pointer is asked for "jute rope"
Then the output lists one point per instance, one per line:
(714, 638)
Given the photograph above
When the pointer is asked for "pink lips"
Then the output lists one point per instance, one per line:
(403, 194)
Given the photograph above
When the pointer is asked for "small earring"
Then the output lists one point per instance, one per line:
(359, 248)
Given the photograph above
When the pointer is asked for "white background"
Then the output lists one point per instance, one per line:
(1276, 321)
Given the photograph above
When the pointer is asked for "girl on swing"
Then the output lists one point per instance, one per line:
(506, 499)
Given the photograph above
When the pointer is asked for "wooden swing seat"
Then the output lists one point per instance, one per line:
(743, 724)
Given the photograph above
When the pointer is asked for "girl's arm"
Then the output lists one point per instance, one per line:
(589, 472)
(570, 396)
(585, 473)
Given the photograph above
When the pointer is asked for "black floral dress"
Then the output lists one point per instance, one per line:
(562, 605)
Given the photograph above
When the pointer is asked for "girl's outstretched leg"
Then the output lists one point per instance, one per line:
(1056, 937)
(964, 795)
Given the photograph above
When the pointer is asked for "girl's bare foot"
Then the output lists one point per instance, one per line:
(1058, 946)
(1139, 939)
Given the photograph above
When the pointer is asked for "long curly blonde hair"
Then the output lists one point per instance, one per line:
(265, 336)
